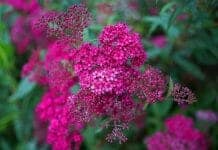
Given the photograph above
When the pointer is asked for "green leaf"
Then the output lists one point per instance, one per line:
(4, 145)
(170, 88)
(173, 32)
(30, 145)
(153, 53)
(152, 19)
(18, 129)
(7, 81)
(112, 19)
(161, 109)
(188, 66)
(75, 89)
(6, 119)
(155, 22)
(166, 7)
(88, 36)
(89, 138)
(205, 57)
(6, 56)
(24, 88)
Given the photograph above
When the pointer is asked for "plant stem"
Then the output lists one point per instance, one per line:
(145, 106)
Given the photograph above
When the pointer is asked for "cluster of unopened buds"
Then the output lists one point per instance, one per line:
(110, 76)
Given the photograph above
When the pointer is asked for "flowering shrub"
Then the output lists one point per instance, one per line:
(108, 74)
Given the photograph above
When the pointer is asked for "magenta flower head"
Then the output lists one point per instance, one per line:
(50, 106)
(179, 125)
(40, 129)
(153, 85)
(183, 95)
(64, 26)
(207, 115)
(159, 41)
(164, 141)
(133, 5)
(108, 67)
(105, 10)
(21, 35)
(61, 132)
(59, 68)
(122, 44)
(34, 69)
(183, 17)
(180, 135)
(27, 6)
(153, 11)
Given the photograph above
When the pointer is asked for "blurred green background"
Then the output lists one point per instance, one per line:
(190, 56)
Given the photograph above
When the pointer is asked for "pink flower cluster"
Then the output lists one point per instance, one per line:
(34, 68)
(183, 95)
(54, 69)
(50, 106)
(122, 45)
(63, 131)
(22, 35)
(159, 41)
(207, 116)
(180, 135)
(153, 85)
(105, 10)
(109, 75)
(64, 26)
(23, 5)
(108, 67)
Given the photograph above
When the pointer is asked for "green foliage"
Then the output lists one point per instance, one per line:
(25, 87)
(188, 66)
(16, 117)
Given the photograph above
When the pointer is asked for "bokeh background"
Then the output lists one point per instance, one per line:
(180, 37)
